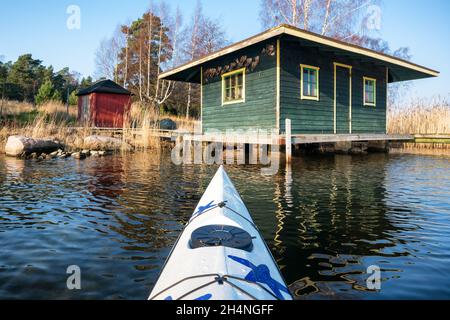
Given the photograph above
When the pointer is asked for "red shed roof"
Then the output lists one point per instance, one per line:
(104, 86)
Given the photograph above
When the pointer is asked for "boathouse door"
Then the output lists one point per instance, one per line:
(342, 99)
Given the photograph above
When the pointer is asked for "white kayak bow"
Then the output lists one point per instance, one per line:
(220, 255)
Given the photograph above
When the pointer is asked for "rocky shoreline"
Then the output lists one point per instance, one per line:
(48, 149)
(61, 154)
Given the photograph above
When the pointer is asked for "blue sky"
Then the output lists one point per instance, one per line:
(39, 27)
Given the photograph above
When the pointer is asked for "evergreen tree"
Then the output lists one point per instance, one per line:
(65, 82)
(46, 93)
(148, 48)
(28, 74)
(86, 82)
(56, 96)
(3, 76)
(73, 99)
(3, 72)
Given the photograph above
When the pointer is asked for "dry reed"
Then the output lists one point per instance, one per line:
(16, 107)
(52, 121)
(427, 117)
(49, 121)
(146, 121)
(422, 117)
(430, 117)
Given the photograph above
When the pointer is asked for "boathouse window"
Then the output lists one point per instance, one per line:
(309, 82)
(370, 92)
(233, 87)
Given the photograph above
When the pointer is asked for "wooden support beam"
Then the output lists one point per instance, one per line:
(288, 140)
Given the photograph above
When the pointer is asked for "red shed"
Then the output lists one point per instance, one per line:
(104, 104)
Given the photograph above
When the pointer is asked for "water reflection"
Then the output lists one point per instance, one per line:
(326, 220)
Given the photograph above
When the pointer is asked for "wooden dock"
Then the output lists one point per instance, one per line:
(133, 132)
(296, 139)
(280, 140)
(436, 138)
(333, 138)
(299, 139)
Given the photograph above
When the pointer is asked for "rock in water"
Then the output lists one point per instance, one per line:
(105, 143)
(18, 145)
(79, 155)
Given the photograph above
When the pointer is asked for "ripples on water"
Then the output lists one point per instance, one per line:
(326, 220)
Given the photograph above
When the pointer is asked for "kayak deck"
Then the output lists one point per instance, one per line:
(213, 259)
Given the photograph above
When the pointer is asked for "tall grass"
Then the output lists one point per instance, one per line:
(51, 120)
(20, 114)
(422, 116)
(146, 121)
(16, 107)
(141, 116)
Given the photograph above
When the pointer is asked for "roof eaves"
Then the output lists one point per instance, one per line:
(299, 33)
(229, 49)
(357, 49)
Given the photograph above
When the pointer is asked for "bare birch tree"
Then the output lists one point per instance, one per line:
(205, 36)
(339, 19)
(107, 56)
(194, 45)
(346, 20)
(164, 88)
(156, 42)
(126, 31)
(150, 26)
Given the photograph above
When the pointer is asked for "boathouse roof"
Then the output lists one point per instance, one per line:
(399, 69)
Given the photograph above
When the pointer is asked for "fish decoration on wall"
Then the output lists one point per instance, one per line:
(269, 50)
(244, 61)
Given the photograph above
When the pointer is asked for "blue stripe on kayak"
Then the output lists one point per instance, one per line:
(202, 298)
(261, 274)
(205, 297)
(202, 209)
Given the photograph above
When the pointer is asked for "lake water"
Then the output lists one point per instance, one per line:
(326, 221)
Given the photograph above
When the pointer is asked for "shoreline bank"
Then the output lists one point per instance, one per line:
(74, 141)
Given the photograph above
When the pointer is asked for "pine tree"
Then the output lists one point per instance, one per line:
(86, 82)
(56, 96)
(46, 93)
(27, 73)
(73, 99)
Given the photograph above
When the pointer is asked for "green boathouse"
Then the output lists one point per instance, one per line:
(325, 86)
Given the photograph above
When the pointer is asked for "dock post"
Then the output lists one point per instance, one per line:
(288, 140)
